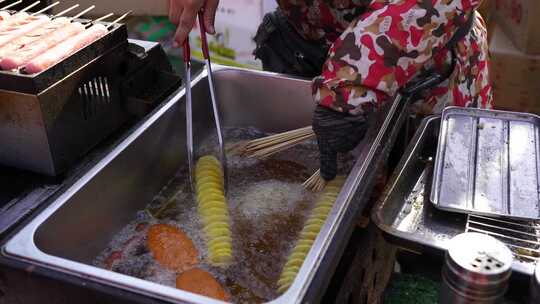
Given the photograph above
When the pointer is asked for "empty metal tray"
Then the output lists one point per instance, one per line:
(409, 220)
(487, 163)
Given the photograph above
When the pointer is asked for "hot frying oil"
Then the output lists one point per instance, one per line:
(267, 206)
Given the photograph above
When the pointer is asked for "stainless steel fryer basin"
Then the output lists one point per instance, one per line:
(68, 234)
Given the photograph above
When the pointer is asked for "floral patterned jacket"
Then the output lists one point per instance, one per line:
(377, 46)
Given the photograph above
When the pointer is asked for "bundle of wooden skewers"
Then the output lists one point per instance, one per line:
(270, 145)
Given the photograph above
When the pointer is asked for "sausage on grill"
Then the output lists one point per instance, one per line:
(35, 35)
(65, 49)
(23, 56)
(11, 34)
(15, 20)
(4, 15)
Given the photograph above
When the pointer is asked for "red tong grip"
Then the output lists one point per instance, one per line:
(187, 51)
(204, 42)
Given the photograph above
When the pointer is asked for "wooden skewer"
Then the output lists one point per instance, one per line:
(273, 141)
(277, 148)
(267, 146)
(119, 19)
(83, 12)
(46, 8)
(284, 134)
(261, 142)
(11, 5)
(315, 183)
(29, 7)
(101, 18)
(67, 10)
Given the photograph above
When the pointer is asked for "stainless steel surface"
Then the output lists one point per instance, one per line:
(488, 163)
(217, 121)
(49, 131)
(523, 237)
(407, 217)
(72, 231)
(535, 286)
(189, 124)
(477, 268)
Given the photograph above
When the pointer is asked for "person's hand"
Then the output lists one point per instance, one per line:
(183, 14)
(336, 133)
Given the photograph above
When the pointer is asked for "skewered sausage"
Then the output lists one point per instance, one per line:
(16, 20)
(15, 32)
(4, 15)
(36, 34)
(22, 56)
(65, 49)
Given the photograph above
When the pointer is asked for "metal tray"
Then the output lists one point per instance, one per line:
(407, 218)
(67, 235)
(487, 163)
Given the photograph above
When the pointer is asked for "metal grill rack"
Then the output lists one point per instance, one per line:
(522, 237)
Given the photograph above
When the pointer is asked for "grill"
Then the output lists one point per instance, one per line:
(50, 119)
(522, 237)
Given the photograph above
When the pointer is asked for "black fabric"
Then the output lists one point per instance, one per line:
(282, 50)
(336, 133)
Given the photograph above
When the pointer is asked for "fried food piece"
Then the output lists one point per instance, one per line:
(172, 248)
(201, 282)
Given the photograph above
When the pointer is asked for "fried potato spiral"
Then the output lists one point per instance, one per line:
(213, 210)
(311, 229)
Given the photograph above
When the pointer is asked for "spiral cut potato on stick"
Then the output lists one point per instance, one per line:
(311, 229)
(213, 210)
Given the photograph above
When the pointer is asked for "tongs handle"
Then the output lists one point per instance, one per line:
(206, 54)
(204, 41)
(187, 51)
(189, 113)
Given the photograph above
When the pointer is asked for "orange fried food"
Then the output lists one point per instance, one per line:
(201, 282)
(172, 248)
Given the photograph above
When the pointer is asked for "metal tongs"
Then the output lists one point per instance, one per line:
(189, 112)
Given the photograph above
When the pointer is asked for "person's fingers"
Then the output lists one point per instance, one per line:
(210, 10)
(175, 11)
(187, 20)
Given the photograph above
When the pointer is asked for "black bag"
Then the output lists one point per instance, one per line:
(282, 50)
